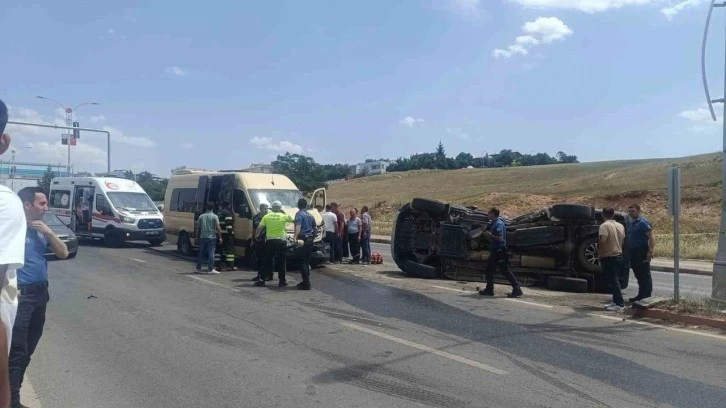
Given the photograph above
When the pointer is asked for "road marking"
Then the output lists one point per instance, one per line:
(28, 395)
(530, 303)
(427, 349)
(200, 279)
(660, 326)
(138, 260)
(451, 289)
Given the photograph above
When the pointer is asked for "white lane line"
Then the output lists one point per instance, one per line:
(451, 289)
(427, 349)
(660, 326)
(221, 285)
(28, 395)
(530, 303)
(138, 260)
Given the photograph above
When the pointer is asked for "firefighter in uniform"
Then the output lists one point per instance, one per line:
(226, 223)
(258, 244)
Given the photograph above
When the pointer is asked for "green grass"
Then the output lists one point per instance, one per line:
(698, 307)
(517, 190)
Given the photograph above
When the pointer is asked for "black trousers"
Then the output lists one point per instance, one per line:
(27, 330)
(259, 248)
(641, 269)
(305, 253)
(611, 267)
(275, 258)
(227, 250)
(338, 249)
(354, 246)
(331, 239)
(499, 258)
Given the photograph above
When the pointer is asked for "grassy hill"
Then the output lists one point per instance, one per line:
(516, 190)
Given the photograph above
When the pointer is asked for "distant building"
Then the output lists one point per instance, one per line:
(259, 168)
(370, 168)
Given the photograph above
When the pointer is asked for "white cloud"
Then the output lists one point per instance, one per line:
(96, 119)
(83, 155)
(543, 30)
(174, 70)
(186, 146)
(457, 133)
(280, 146)
(111, 31)
(671, 11)
(701, 114)
(587, 6)
(410, 121)
(118, 136)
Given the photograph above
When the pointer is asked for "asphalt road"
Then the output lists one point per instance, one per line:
(692, 286)
(134, 328)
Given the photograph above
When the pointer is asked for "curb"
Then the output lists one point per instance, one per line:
(669, 316)
(670, 269)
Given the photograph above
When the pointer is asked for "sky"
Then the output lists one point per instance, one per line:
(220, 84)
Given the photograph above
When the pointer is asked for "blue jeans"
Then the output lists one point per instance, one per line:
(365, 244)
(207, 246)
(27, 330)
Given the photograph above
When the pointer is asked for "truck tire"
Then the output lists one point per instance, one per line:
(421, 270)
(433, 207)
(184, 245)
(572, 212)
(587, 255)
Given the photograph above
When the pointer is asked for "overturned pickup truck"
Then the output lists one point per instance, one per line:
(555, 247)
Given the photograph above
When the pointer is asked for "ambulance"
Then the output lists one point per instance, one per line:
(112, 209)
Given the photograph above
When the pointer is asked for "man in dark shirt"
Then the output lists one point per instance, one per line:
(304, 234)
(338, 248)
(32, 286)
(498, 257)
(258, 244)
(640, 244)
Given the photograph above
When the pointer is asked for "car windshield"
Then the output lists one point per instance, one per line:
(52, 220)
(132, 201)
(288, 198)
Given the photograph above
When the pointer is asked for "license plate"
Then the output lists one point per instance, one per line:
(152, 233)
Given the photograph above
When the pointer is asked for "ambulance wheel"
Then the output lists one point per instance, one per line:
(156, 242)
(113, 238)
(184, 245)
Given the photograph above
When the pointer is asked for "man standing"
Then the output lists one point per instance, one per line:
(365, 238)
(610, 252)
(305, 233)
(12, 257)
(33, 287)
(640, 250)
(275, 244)
(330, 226)
(498, 257)
(208, 231)
(226, 219)
(340, 231)
(258, 242)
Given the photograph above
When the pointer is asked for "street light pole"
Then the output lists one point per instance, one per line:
(69, 123)
(718, 285)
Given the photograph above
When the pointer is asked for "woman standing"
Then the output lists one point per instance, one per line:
(354, 228)
(367, 227)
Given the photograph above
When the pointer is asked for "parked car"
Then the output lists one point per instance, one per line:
(64, 233)
(558, 244)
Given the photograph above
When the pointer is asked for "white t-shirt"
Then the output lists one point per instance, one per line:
(12, 254)
(330, 221)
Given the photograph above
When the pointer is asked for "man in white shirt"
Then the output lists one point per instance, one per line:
(330, 224)
(12, 257)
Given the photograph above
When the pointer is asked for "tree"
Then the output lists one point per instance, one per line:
(44, 183)
(464, 160)
(440, 157)
(302, 170)
(336, 171)
(144, 177)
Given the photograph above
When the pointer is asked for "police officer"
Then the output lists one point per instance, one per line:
(226, 221)
(304, 237)
(275, 244)
(498, 257)
(258, 242)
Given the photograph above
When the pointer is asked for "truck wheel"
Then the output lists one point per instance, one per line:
(587, 255)
(184, 245)
(113, 238)
(421, 270)
(572, 212)
(433, 207)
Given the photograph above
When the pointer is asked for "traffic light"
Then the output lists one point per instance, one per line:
(64, 139)
(76, 132)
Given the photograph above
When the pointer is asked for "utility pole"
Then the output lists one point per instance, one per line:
(718, 285)
(69, 123)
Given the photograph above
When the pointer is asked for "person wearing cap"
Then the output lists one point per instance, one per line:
(275, 244)
(258, 241)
